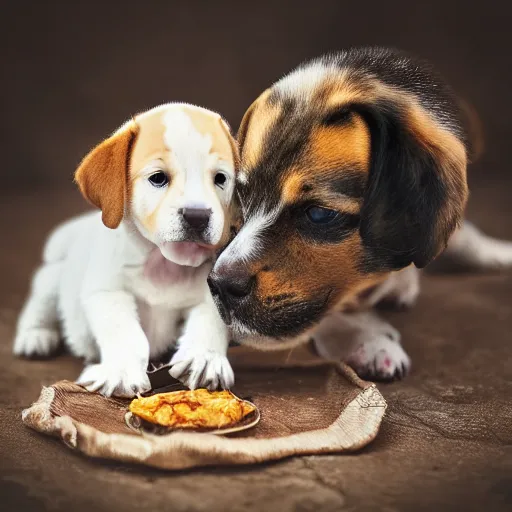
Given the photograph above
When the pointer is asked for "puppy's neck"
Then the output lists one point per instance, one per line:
(162, 272)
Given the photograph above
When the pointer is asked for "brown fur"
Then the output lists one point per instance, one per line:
(102, 175)
(348, 145)
(258, 119)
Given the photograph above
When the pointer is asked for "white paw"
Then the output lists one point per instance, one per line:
(116, 380)
(380, 358)
(202, 369)
(37, 341)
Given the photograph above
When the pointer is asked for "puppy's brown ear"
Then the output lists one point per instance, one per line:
(416, 191)
(102, 175)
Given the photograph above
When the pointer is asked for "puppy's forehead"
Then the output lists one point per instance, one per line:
(180, 129)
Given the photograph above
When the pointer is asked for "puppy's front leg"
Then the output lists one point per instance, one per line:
(201, 359)
(124, 348)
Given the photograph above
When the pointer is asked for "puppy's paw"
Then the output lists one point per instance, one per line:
(36, 342)
(202, 369)
(380, 359)
(114, 380)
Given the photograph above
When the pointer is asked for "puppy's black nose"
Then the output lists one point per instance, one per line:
(232, 282)
(196, 218)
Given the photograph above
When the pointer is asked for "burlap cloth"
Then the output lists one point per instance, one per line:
(324, 408)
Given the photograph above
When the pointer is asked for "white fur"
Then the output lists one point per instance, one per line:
(93, 283)
(363, 340)
(304, 81)
(469, 246)
(246, 244)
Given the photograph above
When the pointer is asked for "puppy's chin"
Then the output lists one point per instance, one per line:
(189, 254)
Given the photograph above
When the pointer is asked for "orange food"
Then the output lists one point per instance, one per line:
(192, 409)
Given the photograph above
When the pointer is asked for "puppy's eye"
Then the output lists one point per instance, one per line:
(158, 179)
(220, 180)
(319, 215)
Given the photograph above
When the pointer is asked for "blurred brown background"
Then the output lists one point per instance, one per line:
(72, 71)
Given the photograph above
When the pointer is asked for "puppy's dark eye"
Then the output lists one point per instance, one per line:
(158, 179)
(319, 215)
(220, 180)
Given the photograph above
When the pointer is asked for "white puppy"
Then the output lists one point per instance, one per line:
(119, 289)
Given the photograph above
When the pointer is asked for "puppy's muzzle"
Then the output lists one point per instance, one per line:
(230, 285)
(196, 218)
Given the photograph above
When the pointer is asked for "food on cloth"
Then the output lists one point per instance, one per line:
(192, 409)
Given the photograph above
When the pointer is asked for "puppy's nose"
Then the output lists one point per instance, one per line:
(234, 281)
(196, 218)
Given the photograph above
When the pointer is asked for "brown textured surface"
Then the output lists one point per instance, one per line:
(77, 69)
(317, 410)
(105, 414)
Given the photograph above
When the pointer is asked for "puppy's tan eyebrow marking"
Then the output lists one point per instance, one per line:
(292, 187)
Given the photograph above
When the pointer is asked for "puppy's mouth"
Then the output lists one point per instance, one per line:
(190, 254)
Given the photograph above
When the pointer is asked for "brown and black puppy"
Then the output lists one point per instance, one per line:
(353, 167)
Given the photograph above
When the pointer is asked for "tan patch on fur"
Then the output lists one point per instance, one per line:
(270, 285)
(150, 220)
(150, 144)
(256, 123)
(293, 192)
(450, 154)
(346, 145)
(102, 175)
(437, 140)
(292, 186)
(211, 125)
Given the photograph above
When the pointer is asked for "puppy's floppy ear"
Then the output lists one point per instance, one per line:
(102, 175)
(416, 191)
